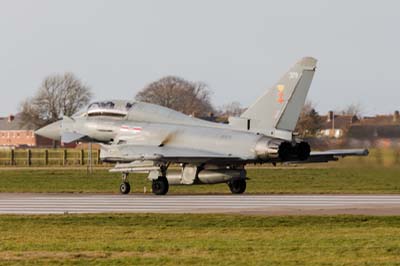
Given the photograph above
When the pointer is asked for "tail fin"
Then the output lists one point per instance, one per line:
(279, 108)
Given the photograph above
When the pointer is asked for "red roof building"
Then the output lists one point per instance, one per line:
(13, 133)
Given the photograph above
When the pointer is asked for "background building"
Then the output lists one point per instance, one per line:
(15, 134)
(336, 126)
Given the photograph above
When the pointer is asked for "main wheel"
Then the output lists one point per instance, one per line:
(125, 188)
(160, 186)
(237, 186)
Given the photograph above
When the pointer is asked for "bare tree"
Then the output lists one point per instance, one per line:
(232, 109)
(352, 109)
(57, 96)
(310, 121)
(191, 98)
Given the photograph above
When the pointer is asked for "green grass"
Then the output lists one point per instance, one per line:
(181, 239)
(377, 173)
(262, 180)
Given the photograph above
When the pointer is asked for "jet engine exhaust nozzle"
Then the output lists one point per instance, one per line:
(302, 150)
(299, 151)
(267, 149)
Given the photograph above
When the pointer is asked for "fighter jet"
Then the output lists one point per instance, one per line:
(142, 137)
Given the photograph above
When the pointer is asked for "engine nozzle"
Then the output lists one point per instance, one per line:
(300, 151)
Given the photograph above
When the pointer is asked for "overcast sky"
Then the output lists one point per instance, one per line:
(239, 48)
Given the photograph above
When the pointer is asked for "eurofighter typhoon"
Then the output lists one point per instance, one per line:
(143, 137)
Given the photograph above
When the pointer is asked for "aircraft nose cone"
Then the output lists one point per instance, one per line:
(52, 131)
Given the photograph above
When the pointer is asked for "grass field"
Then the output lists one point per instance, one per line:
(377, 173)
(205, 239)
(150, 239)
(269, 180)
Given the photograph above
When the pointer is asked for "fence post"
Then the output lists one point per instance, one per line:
(46, 157)
(64, 157)
(29, 156)
(12, 157)
(98, 157)
(82, 156)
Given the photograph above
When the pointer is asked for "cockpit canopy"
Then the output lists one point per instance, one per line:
(114, 108)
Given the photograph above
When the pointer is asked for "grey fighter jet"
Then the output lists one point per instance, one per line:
(143, 137)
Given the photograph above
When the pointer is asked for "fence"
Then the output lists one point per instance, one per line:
(80, 157)
(48, 157)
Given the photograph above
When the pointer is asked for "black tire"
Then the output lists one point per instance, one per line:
(160, 186)
(237, 186)
(124, 188)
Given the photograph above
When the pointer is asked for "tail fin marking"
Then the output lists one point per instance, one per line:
(279, 108)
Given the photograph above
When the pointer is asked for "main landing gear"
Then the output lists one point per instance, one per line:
(125, 187)
(160, 186)
(237, 186)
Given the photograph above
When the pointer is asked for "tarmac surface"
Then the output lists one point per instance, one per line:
(27, 203)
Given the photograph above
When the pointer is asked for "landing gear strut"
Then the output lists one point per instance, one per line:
(160, 186)
(125, 187)
(237, 186)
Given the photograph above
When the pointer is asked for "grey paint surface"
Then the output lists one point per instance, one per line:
(279, 107)
(142, 131)
(137, 132)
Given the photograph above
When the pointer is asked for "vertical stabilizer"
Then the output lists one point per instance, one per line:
(279, 108)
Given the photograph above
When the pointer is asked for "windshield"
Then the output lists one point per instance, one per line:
(109, 108)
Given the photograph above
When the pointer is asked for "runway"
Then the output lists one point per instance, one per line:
(21, 203)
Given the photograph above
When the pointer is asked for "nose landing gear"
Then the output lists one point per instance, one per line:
(125, 187)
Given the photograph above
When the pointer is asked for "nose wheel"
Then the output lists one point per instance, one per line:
(125, 187)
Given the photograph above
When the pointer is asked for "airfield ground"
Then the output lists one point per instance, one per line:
(151, 239)
(206, 239)
(289, 180)
(379, 173)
